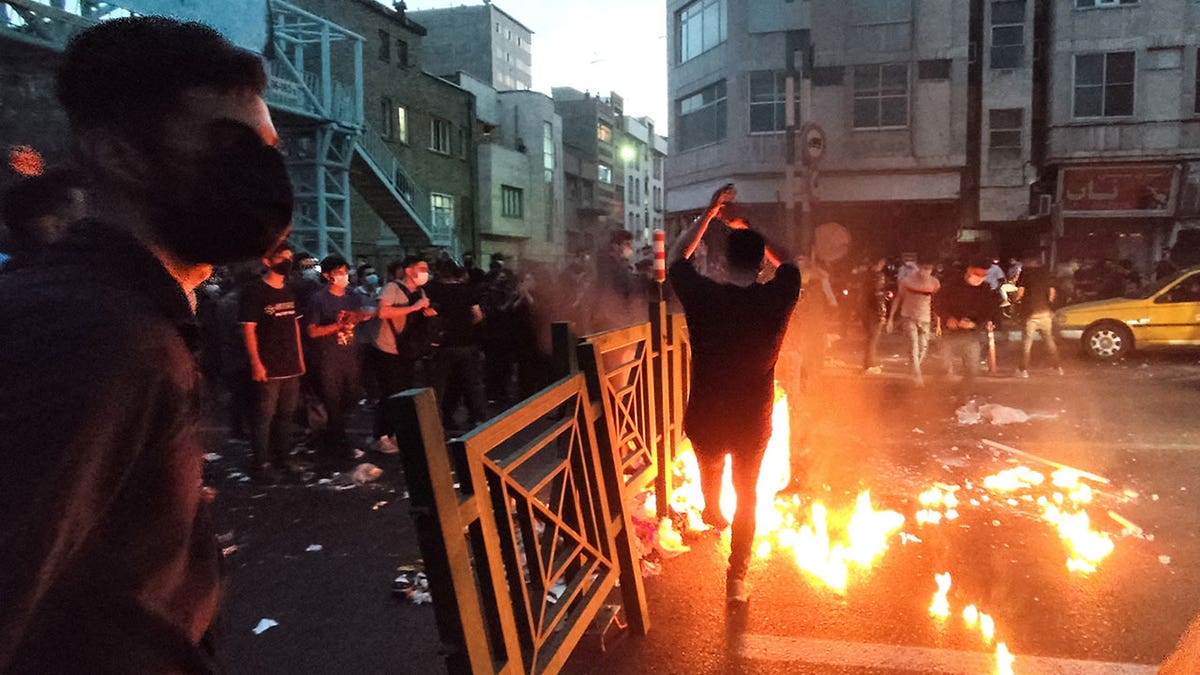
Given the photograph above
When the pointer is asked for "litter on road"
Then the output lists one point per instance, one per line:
(264, 625)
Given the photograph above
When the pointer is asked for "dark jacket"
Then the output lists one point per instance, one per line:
(108, 561)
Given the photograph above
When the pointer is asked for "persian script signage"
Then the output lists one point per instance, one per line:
(1129, 190)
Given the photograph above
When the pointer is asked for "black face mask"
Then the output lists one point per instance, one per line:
(232, 202)
(282, 267)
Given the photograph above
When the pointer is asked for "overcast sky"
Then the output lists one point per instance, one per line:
(615, 45)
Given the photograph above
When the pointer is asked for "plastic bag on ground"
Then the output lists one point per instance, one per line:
(366, 473)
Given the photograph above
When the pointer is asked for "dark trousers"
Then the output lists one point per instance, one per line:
(871, 355)
(393, 374)
(274, 405)
(498, 366)
(746, 465)
(458, 375)
(337, 386)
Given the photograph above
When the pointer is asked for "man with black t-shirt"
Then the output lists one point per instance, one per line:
(736, 330)
(458, 358)
(271, 331)
(1035, 304)
(967, 307)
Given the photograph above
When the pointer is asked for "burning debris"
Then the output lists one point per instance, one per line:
(835, 545)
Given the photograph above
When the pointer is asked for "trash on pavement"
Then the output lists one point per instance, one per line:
(972, 413)
(668, 541)
(378, 505)
(366, 473)
(212, 457)
(264, 625)
(229, 550)
(313, 548)
(411, 584)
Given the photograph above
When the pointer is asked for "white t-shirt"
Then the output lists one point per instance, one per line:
(916, 295)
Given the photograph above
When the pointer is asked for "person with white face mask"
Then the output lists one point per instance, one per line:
(332, 316)
(402, 340)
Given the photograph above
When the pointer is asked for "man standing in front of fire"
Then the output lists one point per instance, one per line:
(736, 330)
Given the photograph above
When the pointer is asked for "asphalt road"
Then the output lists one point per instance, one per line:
(1131, 423)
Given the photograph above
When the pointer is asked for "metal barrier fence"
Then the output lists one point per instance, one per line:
(524, 523)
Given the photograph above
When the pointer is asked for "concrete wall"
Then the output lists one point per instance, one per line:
(481, 40)
(1164, 123)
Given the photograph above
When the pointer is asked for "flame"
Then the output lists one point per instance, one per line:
(827, 545)
(970, 615)
(1066, 512)
(940, 607)
(25, 160)
(987, 627)
(1004, 660)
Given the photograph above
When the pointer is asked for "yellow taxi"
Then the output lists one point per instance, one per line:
(1163, 315)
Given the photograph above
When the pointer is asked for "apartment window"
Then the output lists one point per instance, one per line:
(402, 53)
(768, 101)
(439, 136)
(385, 46)
(631, 193)
(385, 109)
(603, 132)
(1008, 34)
(464, 143)
(658, 168)
(548, 150)
(402, 124)
(881, 96)
(512, 202)
(604, 173)
(1197, 104)
(1004, 134)
(701, 117)
(1104, 84)
(701, 26)
(441, 212)
(1085, 4)
(882, 25)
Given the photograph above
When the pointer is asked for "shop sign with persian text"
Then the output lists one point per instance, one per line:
(1130, 190)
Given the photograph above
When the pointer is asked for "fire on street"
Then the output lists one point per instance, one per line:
(913, 542)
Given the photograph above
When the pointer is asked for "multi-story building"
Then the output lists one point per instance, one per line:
(1122, 158)
(595, 189)
(1074, 131)
(481, 40)
(520, 171)
(887, 83)
(642, 153)
(413, 169)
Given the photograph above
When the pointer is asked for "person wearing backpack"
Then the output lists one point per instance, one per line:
(402, 338)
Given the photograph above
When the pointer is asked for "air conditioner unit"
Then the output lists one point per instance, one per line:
(1043, 206)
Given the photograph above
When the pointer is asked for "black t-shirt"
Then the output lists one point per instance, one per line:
(273, 311)
(453, 302)
(735, 334)
(1037, 285)
(960, 300)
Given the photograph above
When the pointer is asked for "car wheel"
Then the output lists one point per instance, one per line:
(1107, 341)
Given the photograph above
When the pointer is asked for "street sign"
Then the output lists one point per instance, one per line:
(812, 143)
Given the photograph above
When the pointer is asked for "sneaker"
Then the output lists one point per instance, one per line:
(714, 519)
(1023, 374)
(874, 370)
(1059, 370)
(737, 591)
(387, 446)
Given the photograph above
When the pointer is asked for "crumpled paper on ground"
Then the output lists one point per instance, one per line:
(972, 413)
(264, 625)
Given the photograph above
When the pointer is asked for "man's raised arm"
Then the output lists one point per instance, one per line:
(689, 239)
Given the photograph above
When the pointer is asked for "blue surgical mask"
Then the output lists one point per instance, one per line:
(372, 279)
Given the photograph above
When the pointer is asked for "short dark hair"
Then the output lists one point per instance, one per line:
(279, 248)
(745, 249)
(35, 197)
(130, 74)
(331, 262)
(619, 237)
